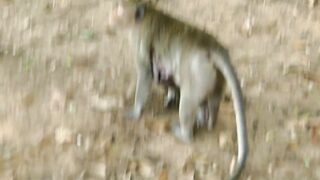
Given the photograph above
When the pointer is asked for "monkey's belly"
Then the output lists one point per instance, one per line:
(160, 76)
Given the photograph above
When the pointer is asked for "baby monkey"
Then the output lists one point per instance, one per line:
(181, 57)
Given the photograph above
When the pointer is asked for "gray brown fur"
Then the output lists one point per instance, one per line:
(195, 62)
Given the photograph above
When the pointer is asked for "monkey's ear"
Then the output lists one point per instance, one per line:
(140, 11)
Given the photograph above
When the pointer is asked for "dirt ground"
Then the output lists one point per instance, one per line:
(64, 83)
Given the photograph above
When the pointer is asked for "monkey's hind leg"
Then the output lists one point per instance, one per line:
(214, 101)
(187, 113)
(202, 115)
(143, 86)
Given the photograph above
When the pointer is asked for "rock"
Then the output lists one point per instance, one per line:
(98, 170)
(107, 103)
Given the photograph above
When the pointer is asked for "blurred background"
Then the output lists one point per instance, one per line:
(64, 82)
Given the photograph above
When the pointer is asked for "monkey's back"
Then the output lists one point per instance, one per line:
(165, 28)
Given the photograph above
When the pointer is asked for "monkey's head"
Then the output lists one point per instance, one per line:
(125, 14)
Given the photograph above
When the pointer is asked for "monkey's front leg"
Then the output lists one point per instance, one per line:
(187, 113)
(143, 85)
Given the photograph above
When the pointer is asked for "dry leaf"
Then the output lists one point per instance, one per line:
(163, 174)
(312, 77)
(158, 126)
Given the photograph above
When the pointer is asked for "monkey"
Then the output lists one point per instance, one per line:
(177, 54)
(160, 76)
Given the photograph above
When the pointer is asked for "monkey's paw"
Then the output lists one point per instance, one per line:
(181, 134)
(170, 102)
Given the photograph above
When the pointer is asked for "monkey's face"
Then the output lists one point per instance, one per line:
(122, 17)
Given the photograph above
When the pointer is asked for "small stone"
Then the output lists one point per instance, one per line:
(291, 126)
(270, 168)
(79, 140)
(63, 135)
(269, 136)
(146, 169)
(130, 90)
(26, 23)
(214, 167)
(106, 103)
(310, 86)
(246, 28)
(224, 140)
(72, 107)
(58, 101)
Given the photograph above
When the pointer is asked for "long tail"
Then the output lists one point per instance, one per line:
(222, 62)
